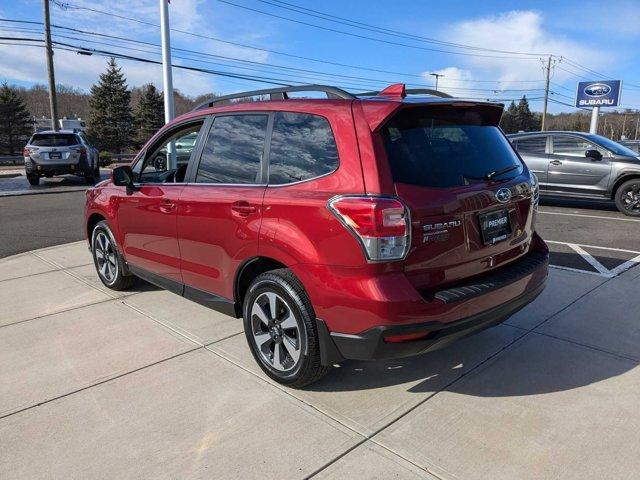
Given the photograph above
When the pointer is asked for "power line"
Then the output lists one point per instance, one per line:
(261, 64)
(382, 30)
(365, 37)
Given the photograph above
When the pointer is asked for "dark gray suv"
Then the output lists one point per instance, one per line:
(582, 165)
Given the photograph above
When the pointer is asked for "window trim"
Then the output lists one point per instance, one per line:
(166, 134)
(192, 170)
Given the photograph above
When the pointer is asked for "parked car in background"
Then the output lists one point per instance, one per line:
(51, 153)
(631, 144)
(337, 228)
(582, 165)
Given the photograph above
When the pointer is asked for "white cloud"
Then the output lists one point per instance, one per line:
(452, 78)
(515, 31)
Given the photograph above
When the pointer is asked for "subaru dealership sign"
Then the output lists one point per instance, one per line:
(599, 94)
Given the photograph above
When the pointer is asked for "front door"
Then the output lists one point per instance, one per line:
(147, 216)
(571, 171)
(220, 209)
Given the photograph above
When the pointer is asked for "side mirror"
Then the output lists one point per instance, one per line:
(594, 155)
(123, 177)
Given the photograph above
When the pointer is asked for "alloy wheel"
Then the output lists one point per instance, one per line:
(276, 332)
(631, 198)
(106, 258)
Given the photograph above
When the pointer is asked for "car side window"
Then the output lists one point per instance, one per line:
(573, 146)
(532, 145)
(302, 147)
(234, 149)
(167, 160)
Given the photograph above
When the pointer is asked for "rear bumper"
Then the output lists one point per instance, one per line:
(425, 321)
(33, 168)
(371, 344)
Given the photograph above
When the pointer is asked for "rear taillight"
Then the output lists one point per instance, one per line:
(381, 224)
(26, 152)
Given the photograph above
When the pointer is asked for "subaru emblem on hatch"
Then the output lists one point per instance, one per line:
(503, 195)
(597, 89)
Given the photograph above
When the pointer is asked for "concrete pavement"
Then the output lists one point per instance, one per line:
(102, 384)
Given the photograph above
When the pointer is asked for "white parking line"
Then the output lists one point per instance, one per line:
(591, 260)
(602, 217)
(594, 246)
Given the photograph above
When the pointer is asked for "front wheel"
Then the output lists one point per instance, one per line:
(628, 198)
(279, 323)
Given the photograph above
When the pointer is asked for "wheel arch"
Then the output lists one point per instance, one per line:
(622, 179)
(249, 270)
(92, 221)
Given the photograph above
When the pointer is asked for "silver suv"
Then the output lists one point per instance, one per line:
(582, 165)
(60, 152)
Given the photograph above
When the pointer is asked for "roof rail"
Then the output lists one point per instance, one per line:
(410, 91)
(280, 93)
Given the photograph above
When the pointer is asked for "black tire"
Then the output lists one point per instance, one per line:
(628, 197)
(307, 368)
(118, 277)
(33, 180)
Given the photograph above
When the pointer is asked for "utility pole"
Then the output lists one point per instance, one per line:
(546, 93)
(437, 75)
(637, 125)
(167, 75)
(53, 104)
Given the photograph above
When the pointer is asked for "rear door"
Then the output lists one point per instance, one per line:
(221, 206)
(468, 192)
(571, 171)
(533, 150)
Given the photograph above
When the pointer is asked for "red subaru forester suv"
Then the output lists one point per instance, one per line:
(345, 227)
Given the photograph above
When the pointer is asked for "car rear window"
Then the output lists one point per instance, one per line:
(54, 140)
(446, 147)
(302, 147)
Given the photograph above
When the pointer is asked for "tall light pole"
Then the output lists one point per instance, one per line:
(167, 76)
(53, 104)
(437, 75)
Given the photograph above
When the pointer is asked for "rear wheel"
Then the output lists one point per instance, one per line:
(279, 323)
(628, 198)
(33, 180)
(107, 259)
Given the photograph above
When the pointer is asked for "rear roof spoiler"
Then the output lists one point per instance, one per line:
(398, 91)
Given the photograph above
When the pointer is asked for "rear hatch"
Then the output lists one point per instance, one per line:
(55, 148)
(469, 194)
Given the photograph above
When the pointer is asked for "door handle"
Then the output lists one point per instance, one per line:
(167, 205)
(555, 162)
(244, 208)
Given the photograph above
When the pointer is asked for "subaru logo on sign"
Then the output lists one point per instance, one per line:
(503, 195)
(603, 93)
(597, 89)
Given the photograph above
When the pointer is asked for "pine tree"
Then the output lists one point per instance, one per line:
(524, 119)
(507, 122)
(149, 114)
(111, 121)
(15, 120)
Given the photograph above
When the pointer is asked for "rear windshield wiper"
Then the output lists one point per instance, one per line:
(496, 173)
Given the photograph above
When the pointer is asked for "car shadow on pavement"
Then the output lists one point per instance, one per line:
(607, 205)
(533, 365)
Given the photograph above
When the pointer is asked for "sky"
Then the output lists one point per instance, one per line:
(500, 46)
